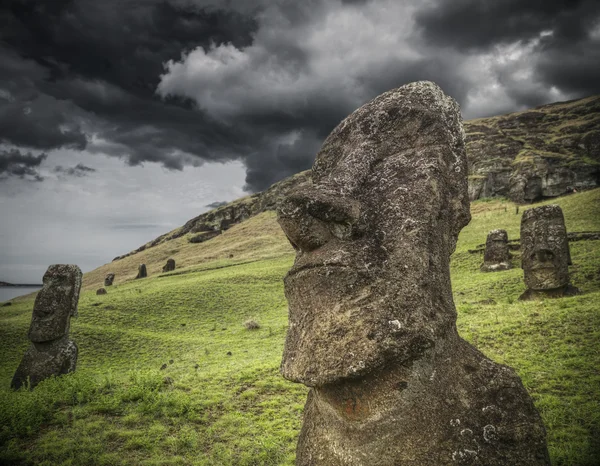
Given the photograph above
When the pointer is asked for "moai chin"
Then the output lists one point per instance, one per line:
(545, 255)
(372, 323)
(496, 256)
(51, 351)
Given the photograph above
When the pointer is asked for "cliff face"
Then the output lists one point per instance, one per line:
(539, 153)
(526, 156)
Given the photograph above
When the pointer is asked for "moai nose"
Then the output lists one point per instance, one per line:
(311, 219)
(544, 255)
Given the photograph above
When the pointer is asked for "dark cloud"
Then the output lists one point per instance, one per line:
(23, 165)
(78, 170)
(184, 82)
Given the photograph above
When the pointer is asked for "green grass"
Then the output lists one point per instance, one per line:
(211, 408)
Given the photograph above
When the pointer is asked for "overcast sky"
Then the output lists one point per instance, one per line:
(122, 119)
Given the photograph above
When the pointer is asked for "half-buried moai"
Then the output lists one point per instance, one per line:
(496, 256)
(142, 272)
(372, 323)
(51, 351)
(169, 266)
(108, 280)
(545, 255)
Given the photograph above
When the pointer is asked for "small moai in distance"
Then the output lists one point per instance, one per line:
(108, 280)
(545, 254)
(372, 323)
(101, 291)
(142, 272)
(169, 266)
(496, 256)
(51, 352)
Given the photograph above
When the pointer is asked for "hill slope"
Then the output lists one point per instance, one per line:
(220, 399)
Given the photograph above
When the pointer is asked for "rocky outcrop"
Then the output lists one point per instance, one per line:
(372, 324)
(535, 154)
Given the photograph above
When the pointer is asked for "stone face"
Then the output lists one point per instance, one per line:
(496, 256)
(545, 255)
(108, 280)
(51, 352)
(371, 318)
(142, 273)
(169, 266)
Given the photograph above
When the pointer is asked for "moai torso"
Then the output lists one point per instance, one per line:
(496, 256)
(545, 255)
(371, 317)
(51, 352)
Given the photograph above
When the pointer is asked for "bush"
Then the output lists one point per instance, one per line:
(251, 324)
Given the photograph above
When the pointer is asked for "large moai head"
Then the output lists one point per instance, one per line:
(545, 256)
(108, 280)
(55, 303)
(374, 233)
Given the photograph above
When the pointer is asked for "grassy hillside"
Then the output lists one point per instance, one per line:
(220, 399)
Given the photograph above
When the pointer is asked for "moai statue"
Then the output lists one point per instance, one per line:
(101, 291)
(108, 280)
(372, 324)
(51, 351)
(142, 273)
(496, 256)
(169, 266)
(545, 255)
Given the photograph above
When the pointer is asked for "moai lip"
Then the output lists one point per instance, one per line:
(51, 352)
(372, 323)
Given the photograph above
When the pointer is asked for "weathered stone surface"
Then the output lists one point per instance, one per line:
(497, 255)
(51, 352)
(100, 291)
(545, 255)
(372, 321)
(205, 236)
(142, 272)
(169, 266)
(109, 279)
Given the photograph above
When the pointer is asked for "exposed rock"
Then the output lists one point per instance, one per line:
(51, 353)
(142, 272)
(372, 322)
(108, 280)
(497, 255)
(545, 255)
(202, 237)
(169, 266)
(100, 291)
(545, 152)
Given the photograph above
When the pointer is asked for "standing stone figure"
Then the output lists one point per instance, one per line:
(169, 266)
(372, 323)
(108, 280)
(496, 256)
(142, 273)
(51, 352)
(545, 255)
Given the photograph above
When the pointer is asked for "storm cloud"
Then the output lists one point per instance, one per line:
(188, 82)
(24, 166)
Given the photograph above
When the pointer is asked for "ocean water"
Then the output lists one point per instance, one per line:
(10, 292)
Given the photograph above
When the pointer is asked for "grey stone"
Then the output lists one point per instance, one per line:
(545, 254)
(108, 280)
(51, 352)
(101, 291)
(372, 323)
(497, 255)
(142, 273)
(169, 266)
